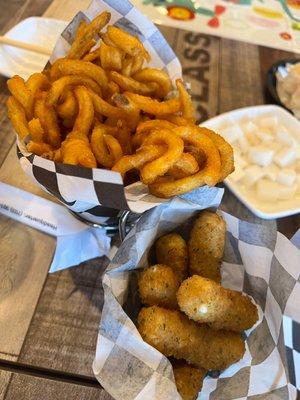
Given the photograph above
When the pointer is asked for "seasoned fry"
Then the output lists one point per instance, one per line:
(205, 301)
(48, 119)
(106, 148)
(16, 114)
(132, 111)
(154, 107)
(36, 130)
(130, 84)
(186, 165)
(161, 165)
(129, 44)
(69, 108)
(102, 107)
(86, 33)
(143, 129)
(38, 148)
(139, 159)
(161, 78)
(77, 151)
(173, 334)
(21, 93)
(158, 286)
(63, 84)
(172, 250)
(110, 57)
(63, 67)
(188, 379)
(225, 150)
(85, 117)
(35, 83)
(206, 245)
(188, 110)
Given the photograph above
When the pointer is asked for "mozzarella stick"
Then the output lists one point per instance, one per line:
(172, 250)
(188, 379)
(205, 301)
(174, 335)
(206, 245)
(158, 285)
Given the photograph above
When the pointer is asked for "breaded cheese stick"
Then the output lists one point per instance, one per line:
(205, 301)
(173, 334)
(206, 245)
(158, 285)
(172, 250)
(188, 379)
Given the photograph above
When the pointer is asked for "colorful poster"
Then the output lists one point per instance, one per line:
(271, 23)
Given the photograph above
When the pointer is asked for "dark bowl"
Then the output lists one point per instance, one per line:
(271, 78)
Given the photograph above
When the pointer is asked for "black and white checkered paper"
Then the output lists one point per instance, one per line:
(95, 192)
(257, 261)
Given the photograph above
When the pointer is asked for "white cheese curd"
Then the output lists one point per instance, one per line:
(252, 174)
(261, 155)
(264, 134)
(285, 157)
(249, 127)
(268, 122)
(286, 176)
(287, 192)
(271, 172)
(284, 136)
(267, 190)
(243, 144)
(232, 133)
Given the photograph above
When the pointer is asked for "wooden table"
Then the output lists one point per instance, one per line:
(49, 323)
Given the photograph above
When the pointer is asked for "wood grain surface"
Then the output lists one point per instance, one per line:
(52, 321)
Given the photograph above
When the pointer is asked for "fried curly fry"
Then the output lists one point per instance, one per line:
(62, 67)
(102, 107)
(225, 150)
(206, 245)
(130, 84)
(17, 116)
(86, 33)
(36, 130)
(35, 83)
(209, 175)
(106, 148)
(205, 301)
(48, 119)
(21, 93)
(158, 286)
(172, 250)
(143, 129)
(150, 75)
(63, 84)
(132, 111)
(188, 379)
(110, 57)
(77, 151)
(161, 165)
(129, 44)
(187, 165)
(152, 106)
(139, 159)
(176, 120)
(85, 117)
(38, 148)
(173, 334)
(68, 109)
(188, 110)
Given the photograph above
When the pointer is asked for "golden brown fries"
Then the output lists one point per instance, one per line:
(154, 137)
(206, 245)
(158, 285)
(172, 250)
(188, 379)
(173, 334)
(205, 301)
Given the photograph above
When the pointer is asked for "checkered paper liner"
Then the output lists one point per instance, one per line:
(257, 261)
(94, 192)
